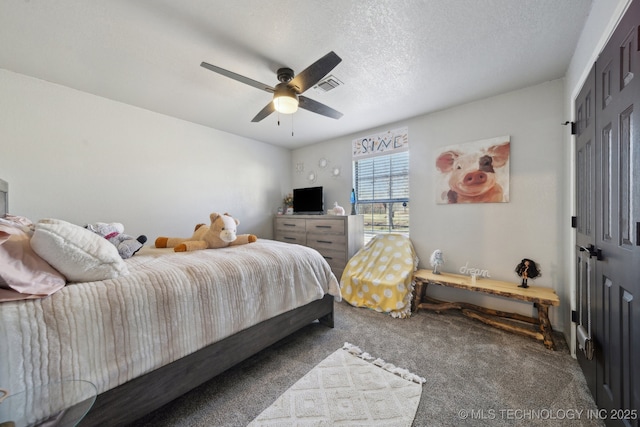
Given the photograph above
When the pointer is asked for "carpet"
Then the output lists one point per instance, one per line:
(350, 387)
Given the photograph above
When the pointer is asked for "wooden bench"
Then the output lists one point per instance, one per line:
(542, 298)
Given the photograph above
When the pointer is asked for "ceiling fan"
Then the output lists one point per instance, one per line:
(287, 95)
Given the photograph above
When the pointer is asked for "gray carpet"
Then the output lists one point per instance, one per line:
(476, 375)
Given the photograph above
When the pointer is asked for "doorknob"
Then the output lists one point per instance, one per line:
(593, 251)
(598, 254)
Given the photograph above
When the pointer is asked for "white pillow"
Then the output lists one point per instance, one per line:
(79, 254)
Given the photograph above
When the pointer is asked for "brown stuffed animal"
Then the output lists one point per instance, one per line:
(221, 233)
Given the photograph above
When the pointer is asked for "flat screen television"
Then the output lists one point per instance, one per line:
(308, 201)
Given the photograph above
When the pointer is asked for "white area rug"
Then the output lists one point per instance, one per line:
(348, 388)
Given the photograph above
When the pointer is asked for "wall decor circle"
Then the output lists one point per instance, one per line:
(311, 177)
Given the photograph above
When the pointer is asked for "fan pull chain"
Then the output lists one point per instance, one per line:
(292, 125)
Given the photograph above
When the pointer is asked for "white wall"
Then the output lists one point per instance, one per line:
(71, 155)
(488, 236)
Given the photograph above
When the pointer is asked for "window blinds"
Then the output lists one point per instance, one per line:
(383, 179)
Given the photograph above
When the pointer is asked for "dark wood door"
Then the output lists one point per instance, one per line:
(617, 273)
(585, 222)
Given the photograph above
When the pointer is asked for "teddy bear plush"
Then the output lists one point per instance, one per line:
(221, 233)
(114, 232)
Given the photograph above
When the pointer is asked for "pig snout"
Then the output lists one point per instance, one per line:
(475, 178)
(472, 183)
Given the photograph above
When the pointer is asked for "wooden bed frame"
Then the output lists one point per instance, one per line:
(140, 396)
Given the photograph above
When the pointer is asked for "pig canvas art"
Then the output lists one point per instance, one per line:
(475, 172)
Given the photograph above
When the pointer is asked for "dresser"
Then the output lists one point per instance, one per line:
(336, 237)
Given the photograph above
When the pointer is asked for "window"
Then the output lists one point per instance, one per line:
(382, 193)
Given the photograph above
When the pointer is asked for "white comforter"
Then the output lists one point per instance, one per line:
(170, 305)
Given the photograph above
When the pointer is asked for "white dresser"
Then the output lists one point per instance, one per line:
(337, 238)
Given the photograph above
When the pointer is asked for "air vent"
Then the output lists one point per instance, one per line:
(327, 84)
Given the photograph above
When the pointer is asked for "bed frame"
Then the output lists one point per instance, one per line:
(140, 396)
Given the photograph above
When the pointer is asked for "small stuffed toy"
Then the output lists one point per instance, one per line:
(337, 209)
(114, 232)
(436, 260)
(220, 234)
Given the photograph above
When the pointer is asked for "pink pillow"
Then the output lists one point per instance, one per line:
(24, 275)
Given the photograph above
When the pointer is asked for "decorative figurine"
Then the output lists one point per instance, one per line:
(437, 259)
(527, 269)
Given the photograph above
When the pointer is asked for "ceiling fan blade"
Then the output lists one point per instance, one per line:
(316, 107)
(268, 109)
(238, 77)
(315, 72)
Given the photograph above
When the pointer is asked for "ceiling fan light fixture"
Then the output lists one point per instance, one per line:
(287, 95)
(285, 103)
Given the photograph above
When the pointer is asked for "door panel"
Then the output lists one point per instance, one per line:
(608, 211)
(617, 217)
(585, 220)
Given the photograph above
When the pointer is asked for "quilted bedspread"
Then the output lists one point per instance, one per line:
(170, 305)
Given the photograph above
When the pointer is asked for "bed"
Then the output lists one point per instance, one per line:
(173, 322)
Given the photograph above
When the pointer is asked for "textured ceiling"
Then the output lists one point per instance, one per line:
(400, 58)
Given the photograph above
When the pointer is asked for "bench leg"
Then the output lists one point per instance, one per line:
(545, 326)
(418, 292)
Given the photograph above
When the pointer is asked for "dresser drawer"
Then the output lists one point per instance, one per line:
(325, 226)
(333, 242)
(284, 223)
(291, 237)
(337, 260)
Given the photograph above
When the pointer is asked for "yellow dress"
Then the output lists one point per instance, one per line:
(379, 276)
